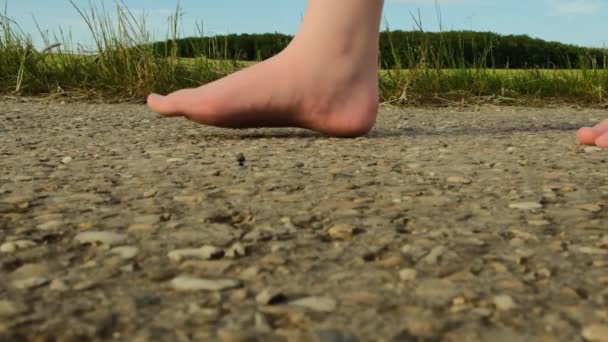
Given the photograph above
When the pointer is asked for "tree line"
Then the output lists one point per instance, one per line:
(409, 49)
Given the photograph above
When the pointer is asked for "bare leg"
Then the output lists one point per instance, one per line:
(326, 80)
(597, 135)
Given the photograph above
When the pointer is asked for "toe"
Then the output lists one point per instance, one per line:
(169, 105)
(602, 141)
(590, 135)
(586, 135)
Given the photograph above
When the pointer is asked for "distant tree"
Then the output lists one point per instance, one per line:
(410, 49)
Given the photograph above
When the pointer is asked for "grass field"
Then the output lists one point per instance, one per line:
(124, 66)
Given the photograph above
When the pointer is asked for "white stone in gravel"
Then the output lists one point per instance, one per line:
(125, 252)
(150, 193)
(434, 255)
(526, 205)
(235, 251)
(524, 235)
(98, 237)
(50, 225)
(269, 296)
(342, 231)
(31, 282)
(458, 180)
(188, 283)
(596, 333)
(320, 304)
(204, 253)
(592, 149)
(175, 160)
(504, 302)
(591, 207)
(408, 274)
(250, 273)
(13, 246)
(66, 160)
(539, 223)
(58, 285)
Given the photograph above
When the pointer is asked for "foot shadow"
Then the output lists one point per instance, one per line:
(377, 133)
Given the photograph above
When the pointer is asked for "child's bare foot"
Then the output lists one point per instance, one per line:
(326, 80)
(597, 135)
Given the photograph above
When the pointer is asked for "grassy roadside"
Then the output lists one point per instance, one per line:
(125, 67)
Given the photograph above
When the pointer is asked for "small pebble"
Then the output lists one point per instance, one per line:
(125, 252)
(29, 283)
(204, 253)
(594, 208)
(58, 285)
(66, 160)
(188, 283)
(84, 285)
(458, 180)
(320, 304)
(150, 193)
(13, 246)
(408, 274)
(250, 273)
(273, 259)
(342, 231)
(270, 297)
(236, 251)
(434, 255)
(526, 205)
(592, 149)
(239, 295)
(50, 225)
(240, 158)
(539, 223)
(504, 303)
(98, 237)
(596, 333)
(140, 228)
(592, 250)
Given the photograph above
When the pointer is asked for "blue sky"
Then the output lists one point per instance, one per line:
(582, 22)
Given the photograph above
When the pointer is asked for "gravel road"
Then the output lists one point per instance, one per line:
(444, 224)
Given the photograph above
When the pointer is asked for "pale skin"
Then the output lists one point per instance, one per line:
(326, 80)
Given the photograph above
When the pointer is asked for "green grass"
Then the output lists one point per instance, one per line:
(125, 67)
(122, 67)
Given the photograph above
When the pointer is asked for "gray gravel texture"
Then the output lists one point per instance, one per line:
(445, 224)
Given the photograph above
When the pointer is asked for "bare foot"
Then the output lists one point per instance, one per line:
(326, 80)
(597, 135)
(293, 89)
